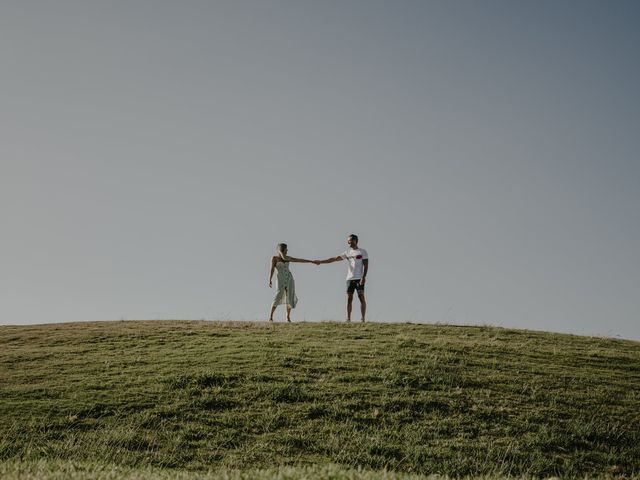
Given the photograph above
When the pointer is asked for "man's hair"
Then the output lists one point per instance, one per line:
(354, 236)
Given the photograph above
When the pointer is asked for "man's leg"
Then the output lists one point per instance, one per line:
(363, 305)
(349, 304)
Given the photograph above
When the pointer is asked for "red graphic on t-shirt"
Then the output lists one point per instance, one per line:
(358, 257)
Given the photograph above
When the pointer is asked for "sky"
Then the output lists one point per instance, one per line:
(154, 153)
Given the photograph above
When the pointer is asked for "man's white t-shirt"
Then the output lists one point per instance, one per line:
(355, 256)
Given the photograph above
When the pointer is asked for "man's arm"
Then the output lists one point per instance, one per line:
(365, 264)
(329, 260)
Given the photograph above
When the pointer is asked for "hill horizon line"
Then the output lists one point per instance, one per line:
(310, 322)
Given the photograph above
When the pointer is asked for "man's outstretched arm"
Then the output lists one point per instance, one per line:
(329, 260)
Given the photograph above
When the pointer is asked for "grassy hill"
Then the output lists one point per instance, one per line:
(340, 400)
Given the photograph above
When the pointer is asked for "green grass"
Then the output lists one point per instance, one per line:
(66, 470)
(199, 397)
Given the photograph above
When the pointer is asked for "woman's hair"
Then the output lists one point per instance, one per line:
(281, 248)
(354, 236)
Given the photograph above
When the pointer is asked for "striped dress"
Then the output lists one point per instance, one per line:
(286, 294)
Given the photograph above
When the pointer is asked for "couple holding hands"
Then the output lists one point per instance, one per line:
(356, 275)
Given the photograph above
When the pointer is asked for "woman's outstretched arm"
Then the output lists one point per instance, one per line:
(298, 260)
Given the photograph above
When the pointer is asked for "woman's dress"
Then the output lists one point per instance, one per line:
(286, 294)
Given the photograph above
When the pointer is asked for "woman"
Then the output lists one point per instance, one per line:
(286, 287)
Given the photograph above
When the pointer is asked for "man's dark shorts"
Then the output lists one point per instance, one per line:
(353, 285)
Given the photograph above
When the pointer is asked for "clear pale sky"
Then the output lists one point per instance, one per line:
(153, 153)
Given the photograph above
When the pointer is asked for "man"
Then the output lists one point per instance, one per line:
(356, 273)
